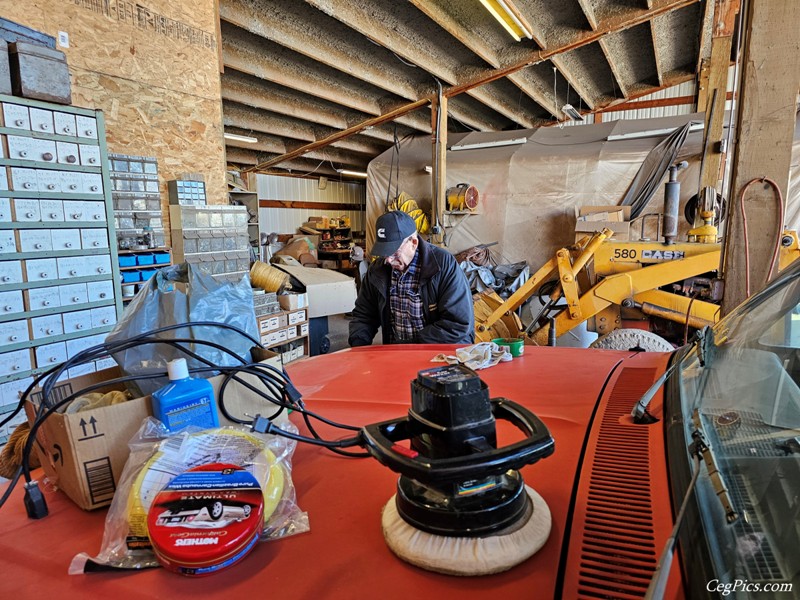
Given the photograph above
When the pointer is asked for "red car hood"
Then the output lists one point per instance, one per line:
(583, 396)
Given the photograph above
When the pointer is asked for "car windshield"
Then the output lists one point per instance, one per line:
(742, 389)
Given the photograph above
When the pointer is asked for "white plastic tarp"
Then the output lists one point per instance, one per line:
(529, 191)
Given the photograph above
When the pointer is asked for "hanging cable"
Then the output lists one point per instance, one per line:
(779, 196)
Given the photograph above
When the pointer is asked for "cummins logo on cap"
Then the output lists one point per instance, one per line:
(382, 232)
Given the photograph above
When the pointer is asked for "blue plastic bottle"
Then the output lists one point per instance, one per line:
(185, 401)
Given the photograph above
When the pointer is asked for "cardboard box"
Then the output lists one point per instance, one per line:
(293, 301)
(329, 292)
(592, 219)
(297, 317)
(269, 323)
(84, 453)
(291, 332)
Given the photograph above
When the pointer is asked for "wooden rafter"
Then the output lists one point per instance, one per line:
(614, 25)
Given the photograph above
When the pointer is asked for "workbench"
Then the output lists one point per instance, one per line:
(343, 555)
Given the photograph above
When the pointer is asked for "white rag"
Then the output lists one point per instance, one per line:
(478, 356)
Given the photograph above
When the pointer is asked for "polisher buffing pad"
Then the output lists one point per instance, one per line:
(468, 555)
(461, 506)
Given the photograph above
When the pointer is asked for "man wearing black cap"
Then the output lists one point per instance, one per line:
(415, 292)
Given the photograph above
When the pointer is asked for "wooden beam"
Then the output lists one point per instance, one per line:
(336, 206)
(715, 94)
(621, 22)
(439, 178)
(770, 78)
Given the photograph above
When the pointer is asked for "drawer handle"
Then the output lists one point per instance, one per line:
(6, 278)
(76, 298)
(23, 153)
(30, 215)
(53, 359)
(53, 215)
(73, 186)
(95, 244)
(78, 325)
(93, 188)
(76, 216)
(8, 308)
(102, 294)
(67, 129)
(89, 132)
(46, 303)
(15, 368)
(106, 321)
(13, 338)
(27, 185)
(101, 269)
(73, 272)
(98, 217)
(92, 160)
(51, 186)
(43, 275)
(19, 122)
(37, 246)
(71, 158)
(49, 332)
(44, 126)
(68, 245)
(48, 156)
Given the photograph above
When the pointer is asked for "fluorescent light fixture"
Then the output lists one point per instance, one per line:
(571, 113)
(698, 126)
(352, 173)
(494, 144)
(235, 137)
(509, 17)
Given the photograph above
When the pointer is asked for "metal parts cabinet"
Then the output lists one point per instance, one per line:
(59, 276)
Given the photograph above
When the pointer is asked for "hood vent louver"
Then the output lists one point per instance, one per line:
(615, 555)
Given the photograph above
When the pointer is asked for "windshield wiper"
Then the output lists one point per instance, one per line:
(699, 451)
(703, 341)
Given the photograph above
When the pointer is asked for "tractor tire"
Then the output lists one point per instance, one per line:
(630, 339)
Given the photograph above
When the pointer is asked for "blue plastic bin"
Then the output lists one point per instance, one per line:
(161, 258)
(145, 259)
(130, 276)
(147, 273)
(127, 261)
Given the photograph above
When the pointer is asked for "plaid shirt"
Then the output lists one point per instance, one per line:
(405, 303)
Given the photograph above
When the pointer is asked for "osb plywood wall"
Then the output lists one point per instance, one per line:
(153, 68)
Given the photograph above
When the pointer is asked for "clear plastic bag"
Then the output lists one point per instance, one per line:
(157, 457)
(179, 294)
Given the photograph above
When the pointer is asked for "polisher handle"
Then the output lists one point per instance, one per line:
(380, 440)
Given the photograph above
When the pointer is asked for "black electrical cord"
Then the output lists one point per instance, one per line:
(33, 499)
(279, 390)
(277, 384)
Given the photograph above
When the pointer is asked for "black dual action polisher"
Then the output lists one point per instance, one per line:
(461, 505)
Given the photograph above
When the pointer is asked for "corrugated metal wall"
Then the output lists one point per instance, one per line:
(684, 89)
(287, 220)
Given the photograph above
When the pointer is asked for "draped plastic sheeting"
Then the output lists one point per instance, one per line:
(529, 192)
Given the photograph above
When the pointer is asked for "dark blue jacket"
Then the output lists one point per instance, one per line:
(446, 301)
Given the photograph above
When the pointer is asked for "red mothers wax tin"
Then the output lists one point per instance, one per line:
(206, 519)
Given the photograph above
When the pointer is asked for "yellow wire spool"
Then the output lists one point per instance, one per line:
(178, 454)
